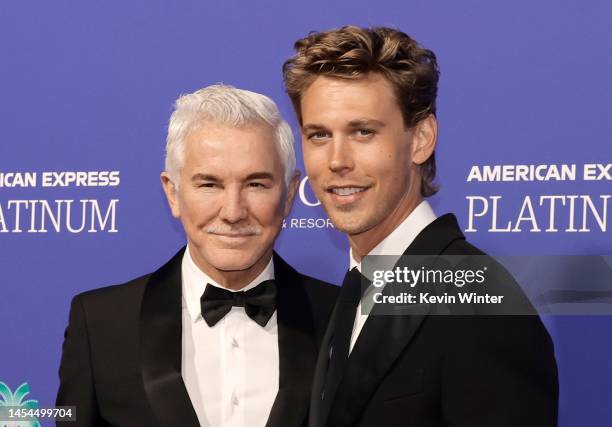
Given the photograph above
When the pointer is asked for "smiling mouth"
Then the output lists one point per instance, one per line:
(346, 197)
(233, 241)
(346, 191)
(234, 235)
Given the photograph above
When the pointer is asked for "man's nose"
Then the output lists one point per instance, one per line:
(340, 156)
(234, 207)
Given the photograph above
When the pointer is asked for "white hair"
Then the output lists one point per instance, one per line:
(227, 105)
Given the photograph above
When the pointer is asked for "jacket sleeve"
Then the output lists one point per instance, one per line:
(75, 372)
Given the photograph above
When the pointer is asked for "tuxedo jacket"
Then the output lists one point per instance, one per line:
(441, 370)
(121, 361)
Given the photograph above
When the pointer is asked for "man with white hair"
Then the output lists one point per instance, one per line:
(226, 333)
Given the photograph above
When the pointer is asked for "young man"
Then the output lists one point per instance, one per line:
(366, 101)
(226, 333)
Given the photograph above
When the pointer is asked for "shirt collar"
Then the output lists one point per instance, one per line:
(194, 282)
(403, 235)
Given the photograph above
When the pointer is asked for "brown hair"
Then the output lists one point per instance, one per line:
(352, 52)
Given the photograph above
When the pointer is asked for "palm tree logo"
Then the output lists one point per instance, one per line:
(7, 398)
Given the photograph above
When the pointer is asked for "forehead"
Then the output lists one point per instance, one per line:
(331, 97)
(229, 150)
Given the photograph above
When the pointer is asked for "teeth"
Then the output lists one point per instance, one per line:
(347, 191)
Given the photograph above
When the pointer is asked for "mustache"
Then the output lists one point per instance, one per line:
(230, 230)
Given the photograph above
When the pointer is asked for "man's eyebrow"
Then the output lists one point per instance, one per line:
(204, 177)
(260, 175)
(365, 123)
(312, 127)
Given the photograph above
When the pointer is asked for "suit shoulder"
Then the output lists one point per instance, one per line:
(321, 299)
(126, 292)
(133, 288)
(320, 289)
(462, 247)
(111, 310)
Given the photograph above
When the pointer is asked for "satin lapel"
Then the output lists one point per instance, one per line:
(314, 418)
(296, 346)
(384, 338)
(161, 344)
(380, 343)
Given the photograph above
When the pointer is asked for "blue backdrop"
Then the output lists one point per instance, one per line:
(89, 86)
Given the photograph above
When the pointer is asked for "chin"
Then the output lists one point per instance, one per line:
(345, 225)
(233, 264)
(352, 223)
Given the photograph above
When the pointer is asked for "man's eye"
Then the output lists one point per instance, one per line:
(256, 185)
(365, 132)
(318, 135)
(207, 185)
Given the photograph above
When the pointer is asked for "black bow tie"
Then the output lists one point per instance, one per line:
(259, 302)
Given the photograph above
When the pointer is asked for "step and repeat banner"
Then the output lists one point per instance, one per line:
(86, 89)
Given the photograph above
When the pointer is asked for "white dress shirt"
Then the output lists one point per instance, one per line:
(394, 244)
(230, 370)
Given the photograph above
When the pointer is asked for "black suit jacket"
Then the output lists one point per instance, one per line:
(440, 370)
(121, 361)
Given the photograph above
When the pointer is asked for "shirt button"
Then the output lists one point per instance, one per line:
(235, 401)
(235, 343)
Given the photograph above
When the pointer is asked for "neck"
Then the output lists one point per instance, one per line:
(234, 280)
(363, 243)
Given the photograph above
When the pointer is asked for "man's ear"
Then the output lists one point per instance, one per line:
(171, 190)
(424, 139)
(291, 192)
